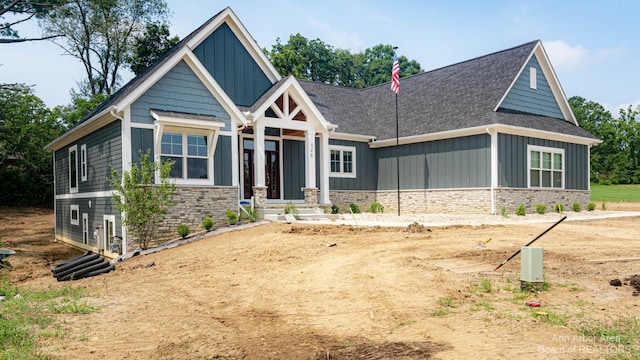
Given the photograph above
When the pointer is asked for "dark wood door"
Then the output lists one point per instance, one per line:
(248, 173)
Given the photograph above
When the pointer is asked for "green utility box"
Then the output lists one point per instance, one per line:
(531, 276)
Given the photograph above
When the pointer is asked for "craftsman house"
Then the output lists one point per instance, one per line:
(491, 132)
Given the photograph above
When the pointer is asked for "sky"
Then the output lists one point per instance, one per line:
(594, 46)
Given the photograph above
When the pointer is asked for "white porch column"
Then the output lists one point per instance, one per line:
(324, 169)
(310, 158)
(259, 155)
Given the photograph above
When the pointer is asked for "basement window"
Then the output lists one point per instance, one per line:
(546, 167)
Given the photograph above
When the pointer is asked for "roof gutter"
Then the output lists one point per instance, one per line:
(67, 137)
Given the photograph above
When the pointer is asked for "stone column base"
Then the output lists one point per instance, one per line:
(260, 196)
(310, 195)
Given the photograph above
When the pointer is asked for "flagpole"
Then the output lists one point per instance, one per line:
(396, 73)
(398, 153)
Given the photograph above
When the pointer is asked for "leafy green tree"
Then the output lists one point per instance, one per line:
(26, 126)
(22, 11)
(143, 202)
(80, 106)
(317, 61)
(150, 46)
(101, 35)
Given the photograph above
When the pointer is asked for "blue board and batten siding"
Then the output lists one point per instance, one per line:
(104, 152)
(366, 167)
(513, 167)
(227, 60)
(179, 90)
(142, 139)
(463, 162)
(540, 101)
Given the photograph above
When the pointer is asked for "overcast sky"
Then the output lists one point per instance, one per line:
(594, 46)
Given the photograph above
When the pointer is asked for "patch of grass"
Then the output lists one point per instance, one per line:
(446, 304)
(615, 193)
(623, 335)
(25, 321)
(483, 305)
(485, 285)
(551, 317)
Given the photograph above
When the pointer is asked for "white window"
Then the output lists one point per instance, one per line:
(83, 162)
(73, 169)
(189, 153)
(109, 231)
(85, 228)
(533, 80)
(75, 214)
(343, 161)
(546, 167)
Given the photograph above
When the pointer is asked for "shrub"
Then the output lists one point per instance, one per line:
(232, 217)
(576, 206)
(377, 207)
(291, 208)
(335, 209)
(503, 212)
(521, 210)
(604, 205)
(250, 217)
(207, 223)
(541, 208)
(355, 208)
(591, 206)
(559, 208)
(183, 230)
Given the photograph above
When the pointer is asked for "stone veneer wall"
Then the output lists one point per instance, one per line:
(511, 198)
(460, 200)
(193, 203)
(437, 201)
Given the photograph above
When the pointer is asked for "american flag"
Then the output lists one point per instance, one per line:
(395, 75)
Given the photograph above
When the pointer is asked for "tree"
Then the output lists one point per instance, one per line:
(143, 203)
(80, 106)
(26, 171)
(317, 61)
(101, 34)
(150, 46)
(23, 11)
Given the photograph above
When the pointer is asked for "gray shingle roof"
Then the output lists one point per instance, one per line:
(454, 97)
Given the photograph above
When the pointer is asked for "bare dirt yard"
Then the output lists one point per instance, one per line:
(300, 291)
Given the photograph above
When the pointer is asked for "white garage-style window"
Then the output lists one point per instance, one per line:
(75, 214)
(343, 161)
(189, 140)
(546, 167)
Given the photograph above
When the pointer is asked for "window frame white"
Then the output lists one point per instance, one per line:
(552, 151)
(184, 138)
(342, 149)
(83, 162)
(74, 208)
(73, 149)
(85, 228)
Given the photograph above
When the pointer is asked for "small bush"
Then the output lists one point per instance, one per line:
(503, 212)
(291, 208)
(576, 206)
(559, 208)
(521, 210)
(183, 230)
(251, 217)
(604, 205)
(355, 208)
(377, 207)
(335, 209)
(232, 217)
(541, 208)
(591, 206)
(207, 223)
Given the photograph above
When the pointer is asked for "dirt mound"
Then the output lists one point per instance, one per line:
(416, 228)
(392, 350)
(334, 229)
(634, 281)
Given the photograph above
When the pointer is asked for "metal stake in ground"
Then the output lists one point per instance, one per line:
(529, 243)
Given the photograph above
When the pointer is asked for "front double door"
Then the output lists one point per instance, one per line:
(271, 171)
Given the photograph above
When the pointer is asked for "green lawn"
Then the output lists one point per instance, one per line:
(615, 193)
